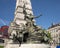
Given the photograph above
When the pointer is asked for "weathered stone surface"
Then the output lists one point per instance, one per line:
(27, 46)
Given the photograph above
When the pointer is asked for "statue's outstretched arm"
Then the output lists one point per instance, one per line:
(38, 16)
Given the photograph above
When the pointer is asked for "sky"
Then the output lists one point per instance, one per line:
(50, 10)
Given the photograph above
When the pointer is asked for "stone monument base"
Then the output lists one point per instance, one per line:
(27, 46)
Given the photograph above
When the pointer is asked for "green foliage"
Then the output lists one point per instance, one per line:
(45, 36)
(1, 46)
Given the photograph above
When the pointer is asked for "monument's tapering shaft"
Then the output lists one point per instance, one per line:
(23, 8)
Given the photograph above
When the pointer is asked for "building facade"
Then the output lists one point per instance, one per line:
(3, 33)
(55, 34)
(4, 30)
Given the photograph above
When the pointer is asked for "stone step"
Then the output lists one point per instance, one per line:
(27, 46)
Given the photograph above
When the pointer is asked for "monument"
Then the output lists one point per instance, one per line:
(23, 32)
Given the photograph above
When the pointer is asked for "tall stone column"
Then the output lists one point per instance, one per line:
(19, 14)
(23, 9)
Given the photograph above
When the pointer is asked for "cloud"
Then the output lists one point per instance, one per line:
(3, 22)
